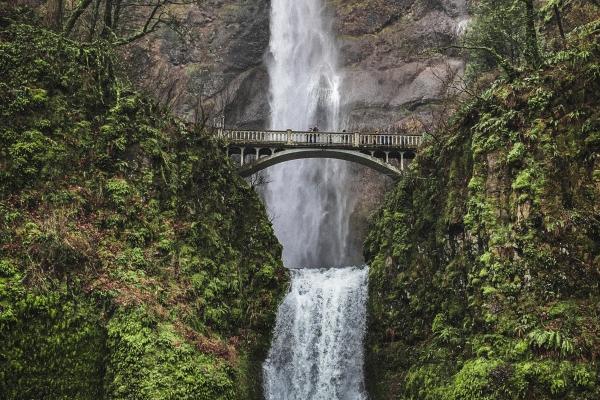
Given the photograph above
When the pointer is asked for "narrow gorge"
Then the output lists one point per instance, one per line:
(424, 223)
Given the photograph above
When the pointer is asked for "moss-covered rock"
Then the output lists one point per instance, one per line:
(134, 262)
(485, 260)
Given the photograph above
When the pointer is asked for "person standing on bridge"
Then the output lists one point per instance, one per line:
(314, 135)
(309, 136)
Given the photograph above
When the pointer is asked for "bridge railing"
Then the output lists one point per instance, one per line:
(338, 139)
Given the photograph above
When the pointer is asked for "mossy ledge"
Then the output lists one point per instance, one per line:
(485, 259)
(134, 263)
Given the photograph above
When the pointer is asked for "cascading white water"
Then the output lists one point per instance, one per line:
(317, 350)
(309, 200)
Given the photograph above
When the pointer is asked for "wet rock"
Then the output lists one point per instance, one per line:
(217, 58)
(218, 46)
(389, 49)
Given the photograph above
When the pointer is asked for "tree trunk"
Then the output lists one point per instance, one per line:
(83, 4)
(116, 15)
(532, 48)
(94, 21)
(560, 24)
(108, 9)
(54, 14)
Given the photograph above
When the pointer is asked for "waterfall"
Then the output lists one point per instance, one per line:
(310, 216)
(317, 349)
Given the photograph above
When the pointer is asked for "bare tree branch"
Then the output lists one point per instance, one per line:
(94, 22)
(148, 27)
(116, 15)
(107, 19)
(81, 7)
(559, 22)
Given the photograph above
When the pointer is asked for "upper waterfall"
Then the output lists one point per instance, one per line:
(304, 78)
(311, 218)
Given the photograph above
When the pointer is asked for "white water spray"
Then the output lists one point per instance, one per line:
(317, 349)
(309, 200)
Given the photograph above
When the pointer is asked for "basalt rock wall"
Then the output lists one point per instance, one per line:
(218, 56)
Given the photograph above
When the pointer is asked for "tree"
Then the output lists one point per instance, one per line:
(497, 36)
(104, 20)
(532, 50)
(81, 7)
(54, 14)
(508, 33)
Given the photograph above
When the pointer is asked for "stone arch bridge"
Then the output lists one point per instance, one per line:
(256, 150)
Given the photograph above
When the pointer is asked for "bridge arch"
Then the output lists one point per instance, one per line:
(367, 160)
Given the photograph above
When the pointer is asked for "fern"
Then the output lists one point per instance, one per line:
(552, 341)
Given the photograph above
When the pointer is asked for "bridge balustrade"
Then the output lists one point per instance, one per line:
(386, 153)
(337, 139)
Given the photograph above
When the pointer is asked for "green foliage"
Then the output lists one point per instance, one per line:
(134, 262)
(497, 25)
(516, 35)
(484, 274)
(551, 340)
(52, 342)
(148, 359)
(476, 380)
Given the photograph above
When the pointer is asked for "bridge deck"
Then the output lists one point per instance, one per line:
(339, 140)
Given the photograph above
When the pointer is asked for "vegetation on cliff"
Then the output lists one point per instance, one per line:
(485, 259)
(134, 263)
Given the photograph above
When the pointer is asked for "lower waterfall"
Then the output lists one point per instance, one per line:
(317, 349)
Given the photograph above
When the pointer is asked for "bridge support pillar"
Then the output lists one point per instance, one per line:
(387, 157)
(257, 153)
(241, 156)
(401, 161)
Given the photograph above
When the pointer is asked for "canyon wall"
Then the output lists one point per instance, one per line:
(125, 265)
(491, 245)
(388, 50)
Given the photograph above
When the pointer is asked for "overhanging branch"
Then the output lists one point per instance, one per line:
(81, 7)
(149, 27)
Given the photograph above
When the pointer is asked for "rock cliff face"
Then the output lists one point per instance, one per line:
(215, 59)
(386, 51)
(492, 244)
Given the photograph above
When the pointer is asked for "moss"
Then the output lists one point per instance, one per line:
(484, 259)
(516, 154)
(150, 359)
(52, 342)
(135, 263)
